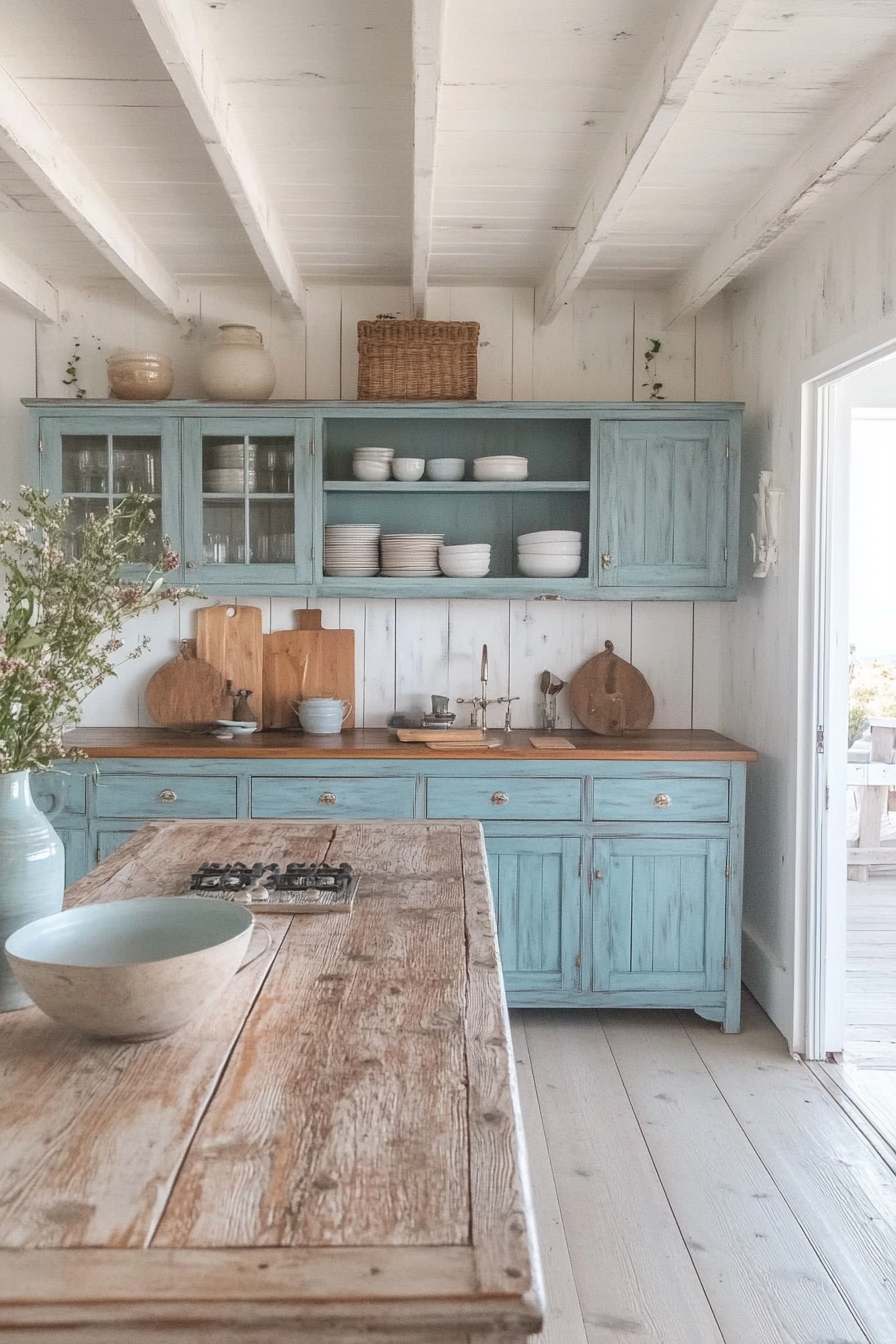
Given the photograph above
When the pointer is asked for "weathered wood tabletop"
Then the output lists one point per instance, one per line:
(331, 1151)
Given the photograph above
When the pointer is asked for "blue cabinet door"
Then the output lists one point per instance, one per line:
(659, 914)
(663, 511)
(536, 886)
(74, 842)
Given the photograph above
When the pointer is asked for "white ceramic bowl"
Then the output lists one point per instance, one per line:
(407, 468)
(551, 548)
(371, 471)
(237, 726)
(472, 548)
(538, 538)
(445, 468)
(498, 470)
(547, 566)
(136, 969)
(381, 453)
(470, 569)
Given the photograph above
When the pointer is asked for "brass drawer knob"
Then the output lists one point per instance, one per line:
(500, 799)
(606, 560)
(327, 799)
(167, 796)
(662, 800)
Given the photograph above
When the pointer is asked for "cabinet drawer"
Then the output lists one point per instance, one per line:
(505, 799)
(318, 795)
(166, 796)
(659, 799)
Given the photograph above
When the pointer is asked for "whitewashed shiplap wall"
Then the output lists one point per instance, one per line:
(408, 650)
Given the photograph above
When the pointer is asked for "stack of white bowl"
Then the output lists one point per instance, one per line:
(223, 468)
(465, 562)
(555, 555)
(351, 550)
(372, 464)
(410, 555)
(504, 467)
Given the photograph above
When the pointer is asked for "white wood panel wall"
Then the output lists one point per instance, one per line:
(409, 650)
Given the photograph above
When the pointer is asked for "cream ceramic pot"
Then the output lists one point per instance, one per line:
(236, 366)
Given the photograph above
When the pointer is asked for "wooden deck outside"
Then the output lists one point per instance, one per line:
(871, 970)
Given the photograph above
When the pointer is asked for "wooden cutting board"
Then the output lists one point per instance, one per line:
(229, 637)
(305, 662)
(187, 692)
(449, 735)
(610, 696)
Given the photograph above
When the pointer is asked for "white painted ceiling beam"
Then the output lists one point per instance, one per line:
(30, 289)
(46, 158)
(681, 57)
(174, 32)
(427, 54)
(824, 158)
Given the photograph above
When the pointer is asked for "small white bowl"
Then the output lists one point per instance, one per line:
(379, 453)
(458, 569)
(445, 468)
(237, 726)
(498, 470)
(371, 471)
(407, 468)
(551, 548)
(134, 970)
(473, 548)
(536, 538)
(546, 566)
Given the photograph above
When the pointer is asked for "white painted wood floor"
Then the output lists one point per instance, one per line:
(697, 1188)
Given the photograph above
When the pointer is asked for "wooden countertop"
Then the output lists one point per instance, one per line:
(333, 1145)
(655, 744)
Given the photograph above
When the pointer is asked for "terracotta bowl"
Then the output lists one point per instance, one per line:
(135, 970)
(139, 377)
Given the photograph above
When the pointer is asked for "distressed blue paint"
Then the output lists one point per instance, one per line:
(650, 485)
(358, 799)
(205, 796)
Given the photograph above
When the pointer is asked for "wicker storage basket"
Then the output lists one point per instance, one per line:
(417, 361)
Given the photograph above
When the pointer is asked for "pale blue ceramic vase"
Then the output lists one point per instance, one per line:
(32, 872)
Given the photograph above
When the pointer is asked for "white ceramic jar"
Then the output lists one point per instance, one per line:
(236, 366)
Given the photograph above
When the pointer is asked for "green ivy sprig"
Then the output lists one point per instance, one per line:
(650, 354)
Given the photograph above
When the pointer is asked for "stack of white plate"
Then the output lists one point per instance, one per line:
(223, 463)
(465, 562)
(351, 550)
(373, 464)
(504, 467)
(410, 555)
(555, 555)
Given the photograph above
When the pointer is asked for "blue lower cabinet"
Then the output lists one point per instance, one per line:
(537, 890)
(658, 910)
(108, 841)
(75, 844)
(336, 798)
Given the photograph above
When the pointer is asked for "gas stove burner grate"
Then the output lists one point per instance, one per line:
(266, 888)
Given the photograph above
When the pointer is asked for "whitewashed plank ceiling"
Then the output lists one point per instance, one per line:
(599, 143)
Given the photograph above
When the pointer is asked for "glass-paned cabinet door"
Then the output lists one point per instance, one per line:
(247, 517)
(96, 462)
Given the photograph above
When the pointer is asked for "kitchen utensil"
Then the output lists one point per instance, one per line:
(229, 637)
(549, 566)
(446, 742)
(187, 691)
(136, 969)
(241, 711)
(305, 663)
(134, 376)
(610, 696)
(236, 727)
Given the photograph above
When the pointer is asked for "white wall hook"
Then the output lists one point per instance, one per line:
(768, 520)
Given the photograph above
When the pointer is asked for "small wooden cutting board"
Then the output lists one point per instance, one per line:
(308, 661)
(229, 637)
(187, 692)
(467, 735)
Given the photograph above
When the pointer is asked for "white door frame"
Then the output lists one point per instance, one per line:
(827, 411)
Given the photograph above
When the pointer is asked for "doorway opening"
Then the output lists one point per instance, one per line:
(855, 888)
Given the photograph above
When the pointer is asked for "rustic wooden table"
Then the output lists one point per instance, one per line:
(331, 1152)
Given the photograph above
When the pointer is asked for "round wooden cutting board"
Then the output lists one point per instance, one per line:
(187, 692)
(610, 696)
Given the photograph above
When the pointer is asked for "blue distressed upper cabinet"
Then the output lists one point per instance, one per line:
(246, 492)
(248, 513)
(667, 517)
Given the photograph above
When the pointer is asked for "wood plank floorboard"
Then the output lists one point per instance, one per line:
(697, 1188)
(870, 1034)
